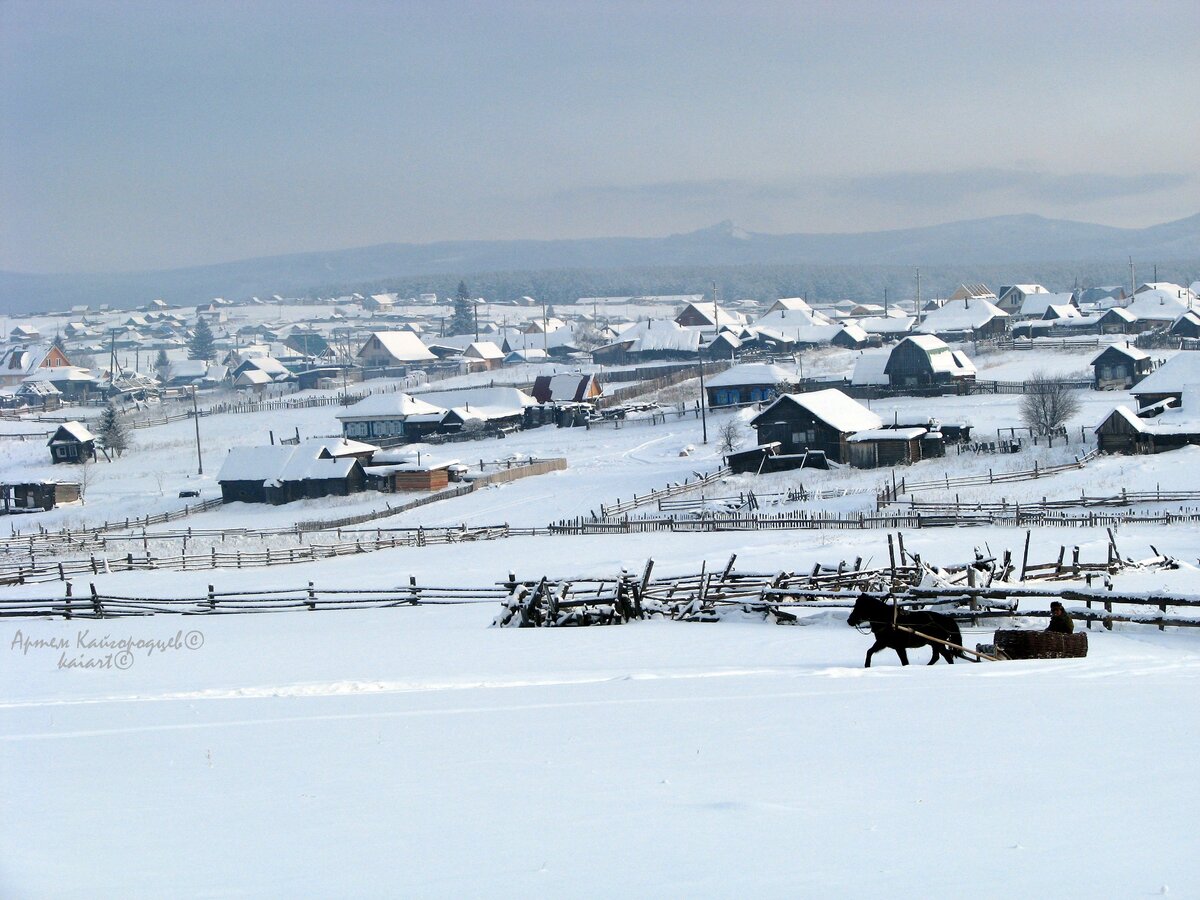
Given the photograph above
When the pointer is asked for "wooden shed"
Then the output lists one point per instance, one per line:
(72, 443)
(31, 495)
(407, 477)
(885, 447)
(1120, 367)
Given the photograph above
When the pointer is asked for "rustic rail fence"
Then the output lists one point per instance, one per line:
(891, 491)
(803, 520)
(671, 490)
(366, 542)
(975, 589)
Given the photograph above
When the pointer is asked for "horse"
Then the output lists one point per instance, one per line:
(878, 615)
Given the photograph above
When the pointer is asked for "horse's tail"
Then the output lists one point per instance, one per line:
(956, 636)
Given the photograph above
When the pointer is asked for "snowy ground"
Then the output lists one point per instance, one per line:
(416, 752)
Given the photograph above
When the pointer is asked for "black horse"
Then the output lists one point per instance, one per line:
(879, 616)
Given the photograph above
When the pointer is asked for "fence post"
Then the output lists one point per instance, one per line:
(67, 609)
(97, 608)
(212, 600)
(312, 596)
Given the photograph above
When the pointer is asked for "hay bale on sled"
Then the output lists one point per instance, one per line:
(1017, 644)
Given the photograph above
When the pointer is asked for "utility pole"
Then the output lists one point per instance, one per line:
(545, 326)
(703, 414)
(196, 419)
(918, 295)
(1132, 278)
(716, 318)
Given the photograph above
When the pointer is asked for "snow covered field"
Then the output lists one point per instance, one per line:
(417, 752)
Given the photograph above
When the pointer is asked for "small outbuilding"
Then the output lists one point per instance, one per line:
(877, 447)
(1120, 367)
(72, 443)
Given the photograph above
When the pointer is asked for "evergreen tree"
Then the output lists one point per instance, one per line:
(464, 313)
(111, 431)
(201, 344)
(162, 367)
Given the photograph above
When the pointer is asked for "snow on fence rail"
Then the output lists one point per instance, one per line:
(1125, 498)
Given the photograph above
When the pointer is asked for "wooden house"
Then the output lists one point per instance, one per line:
(18, 363)
(709, 315)
(821, 421)
(968, 318)
(1120, 321)
(1011, 297)
(483, 356)
(393, 349)
(72, 443)
(390, 417)
(748, 383)
(1187, 325)
(1120, 367)
(284, 473)
(926, 361)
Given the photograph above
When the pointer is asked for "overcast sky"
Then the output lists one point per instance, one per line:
(162, 134)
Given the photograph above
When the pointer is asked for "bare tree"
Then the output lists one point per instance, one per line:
(1047, 404)
(730, 436)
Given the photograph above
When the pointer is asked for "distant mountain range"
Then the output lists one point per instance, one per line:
(1006, 240)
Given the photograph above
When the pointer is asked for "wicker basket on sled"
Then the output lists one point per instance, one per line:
(1041, 644)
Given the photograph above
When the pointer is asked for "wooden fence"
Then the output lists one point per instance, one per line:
(803, 520)
(779, 596)
(671, 490)
(891, 491)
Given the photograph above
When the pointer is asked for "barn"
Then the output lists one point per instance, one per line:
(821, 420)
(925, 361)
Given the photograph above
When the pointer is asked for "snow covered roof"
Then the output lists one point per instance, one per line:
(338, 447)
(404, 346)
(76, 430)
(660, 334)
(752, 373)
(253, 377)
(888, 324)
(888, 434)
(484, 350)
(792, 318)
(800, 334)
(275, 464)
(831, 406)
(1172, 376)
(1121, 313)
(869, 368)
(1061, 311)
(789, 303)
(1157, 304)
(484, 403)
(960, 315)
(1131, 352)
(1035, 304)
(391, 406)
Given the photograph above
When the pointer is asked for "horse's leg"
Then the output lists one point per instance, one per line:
(903, 654)
(937, 651)
(949, 654)
(877, 646)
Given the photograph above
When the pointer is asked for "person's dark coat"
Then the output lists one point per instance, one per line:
(1060, 620)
